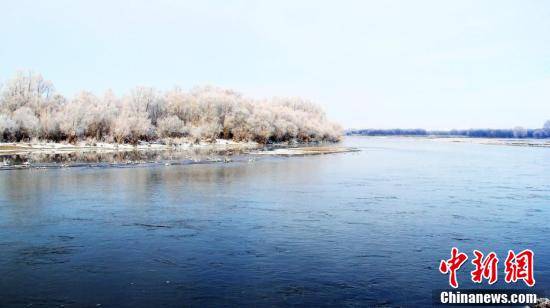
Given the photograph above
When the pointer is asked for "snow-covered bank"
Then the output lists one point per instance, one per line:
(42, 155)
(302, 151)
(20, 148)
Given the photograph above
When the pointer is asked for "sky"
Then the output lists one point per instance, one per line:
(370, 64)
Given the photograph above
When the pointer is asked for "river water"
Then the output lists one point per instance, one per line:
(361, 228)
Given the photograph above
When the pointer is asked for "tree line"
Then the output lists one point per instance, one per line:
(517, 132)
(30, 108)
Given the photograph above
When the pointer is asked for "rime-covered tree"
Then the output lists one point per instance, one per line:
(30, 108)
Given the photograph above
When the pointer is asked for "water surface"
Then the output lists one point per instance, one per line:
(363, 228)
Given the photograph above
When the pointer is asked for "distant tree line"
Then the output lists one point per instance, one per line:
(389, 132)
(31, 109)
(517, 132)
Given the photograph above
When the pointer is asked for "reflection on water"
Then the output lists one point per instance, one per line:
(365, 228)
(45, 159)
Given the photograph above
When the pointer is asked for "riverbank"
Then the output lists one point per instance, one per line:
(303, 151)
(47, 155)
(540, 143)
(87, 146)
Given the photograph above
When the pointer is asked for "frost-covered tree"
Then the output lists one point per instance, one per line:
(131, 126)
(208, 131)
(146, 99)
(29, 108)
(7, 127)
(25, 90)
(172, 126)
(519, 132)
(27, 123)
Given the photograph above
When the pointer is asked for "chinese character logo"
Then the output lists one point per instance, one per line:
(452, 265)
(520, 266)
(517, 267)
(485, 268)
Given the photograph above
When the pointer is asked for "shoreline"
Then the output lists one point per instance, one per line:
(521, 142)
(50, 155)
(21, 148)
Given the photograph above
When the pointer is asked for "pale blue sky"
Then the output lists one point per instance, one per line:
(431, 64)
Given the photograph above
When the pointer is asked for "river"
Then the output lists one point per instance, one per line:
(360, 228)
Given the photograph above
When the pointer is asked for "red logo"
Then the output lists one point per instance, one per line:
(452, 265)
(517, 267)
(520, 266)
(485, 268)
